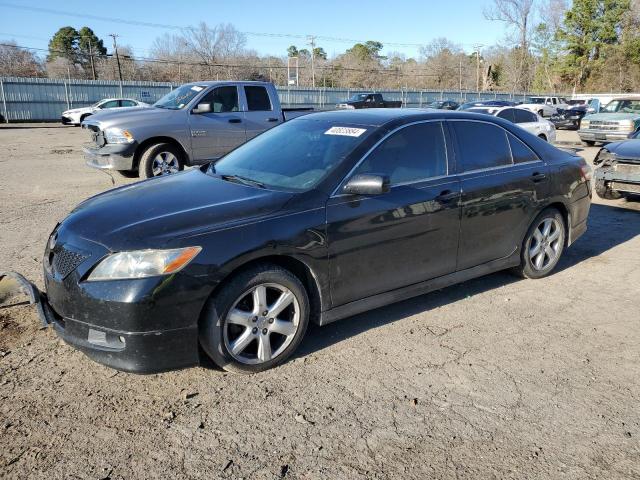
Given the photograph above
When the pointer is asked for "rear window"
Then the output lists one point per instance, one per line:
(481, 145)
(507, 114)
(257, 98)
(525, 116)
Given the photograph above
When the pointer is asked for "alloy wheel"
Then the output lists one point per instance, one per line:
(165, 163)
(261, 323)
(545, 244)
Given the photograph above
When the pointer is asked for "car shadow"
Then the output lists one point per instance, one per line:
(9, 126)
(608, 227)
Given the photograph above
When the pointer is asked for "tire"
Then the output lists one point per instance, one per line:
(218, 334)
(530, 264)
(542, 137)
(541, 113)
(128, 173)
(603, 191)
(588, 143)
(151, 160)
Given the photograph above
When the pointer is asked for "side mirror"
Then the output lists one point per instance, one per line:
(202, 108)
(367, 184)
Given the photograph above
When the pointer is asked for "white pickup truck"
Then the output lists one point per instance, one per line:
(545, 106)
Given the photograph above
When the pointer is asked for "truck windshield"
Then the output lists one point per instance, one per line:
(180, 97)
(537, 100)
(294, 156)
(622, 106)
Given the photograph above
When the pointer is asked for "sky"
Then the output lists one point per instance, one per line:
(405, 23)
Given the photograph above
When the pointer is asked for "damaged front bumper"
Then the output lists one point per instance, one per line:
(110, 157)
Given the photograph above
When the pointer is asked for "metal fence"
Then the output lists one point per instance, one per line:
(44, 99)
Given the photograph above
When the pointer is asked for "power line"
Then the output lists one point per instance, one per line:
(229, 65)
(182, 27)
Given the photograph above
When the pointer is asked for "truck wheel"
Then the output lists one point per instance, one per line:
(603, 191)
(160, 159)
(256, 320)
(541, 113)
(588, 143)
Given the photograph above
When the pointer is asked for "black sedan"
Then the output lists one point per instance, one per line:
(444, 105)
(318, 219)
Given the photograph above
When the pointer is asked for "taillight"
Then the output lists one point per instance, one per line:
(587, 172)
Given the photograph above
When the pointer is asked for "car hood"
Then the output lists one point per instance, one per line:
(124, 117)
(612, 116)
(158, 212)
(625, 148)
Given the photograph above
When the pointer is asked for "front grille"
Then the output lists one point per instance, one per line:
(65, 261)
(604, 125)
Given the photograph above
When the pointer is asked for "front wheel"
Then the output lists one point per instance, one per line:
(256, 321)
(160, 159)
(541, 113)
(543, 245)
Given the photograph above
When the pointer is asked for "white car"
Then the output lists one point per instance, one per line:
(531, 122)
(75, 116)
(545, 106)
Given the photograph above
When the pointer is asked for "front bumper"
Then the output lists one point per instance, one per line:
(110, 157)
(67, 120)
(602, 135)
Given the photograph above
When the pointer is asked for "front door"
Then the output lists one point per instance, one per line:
(408, 235)
(503, 185)
(216, 133)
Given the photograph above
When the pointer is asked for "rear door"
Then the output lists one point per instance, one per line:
(216, 133)
(503, 185)
(259, 111)
(407, 235)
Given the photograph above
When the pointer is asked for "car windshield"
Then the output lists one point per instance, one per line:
(536, 100)
(358, 97)
(294, 156)
(622, 106)
(180, 97)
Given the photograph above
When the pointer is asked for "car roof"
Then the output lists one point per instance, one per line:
(210, 83)
(378, 117)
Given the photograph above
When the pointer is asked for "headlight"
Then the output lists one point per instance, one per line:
(117, 135)
(628, 125)
(143, 263)
(584, 124)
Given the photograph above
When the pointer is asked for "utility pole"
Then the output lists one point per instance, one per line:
(115, 48)
(93, 67)
(478, 46)
(312, 42)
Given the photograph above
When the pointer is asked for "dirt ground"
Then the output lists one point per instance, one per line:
(497, 378)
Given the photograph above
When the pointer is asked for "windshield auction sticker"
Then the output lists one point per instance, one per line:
(345, 131)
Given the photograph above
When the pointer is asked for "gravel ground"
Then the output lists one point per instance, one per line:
(495, 378)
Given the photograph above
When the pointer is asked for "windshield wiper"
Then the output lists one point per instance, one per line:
(243, 180)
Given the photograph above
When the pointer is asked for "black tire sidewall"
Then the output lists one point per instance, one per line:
(146, 159)
(217, 307)
(527, 268)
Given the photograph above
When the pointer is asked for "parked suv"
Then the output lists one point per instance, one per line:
(616, 121)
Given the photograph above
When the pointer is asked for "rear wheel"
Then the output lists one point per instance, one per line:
(160, 159)
(256, 321)
(541, 113)
(543, 245)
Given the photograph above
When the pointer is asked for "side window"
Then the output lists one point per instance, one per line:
(524, 116)
(127, 103)
(554, 100)
(507, 114)
(109, 104)
(257, 99)
(481, 145)
(222, 99)
(413, 153)
(520, 152)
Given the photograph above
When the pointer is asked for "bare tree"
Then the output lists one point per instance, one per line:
(18, 62)
(517, 15)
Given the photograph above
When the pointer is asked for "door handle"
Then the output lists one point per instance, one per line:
(272, 119)
(235, 120)
(538, 177)
(447, 195)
